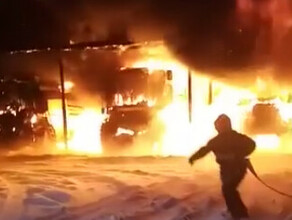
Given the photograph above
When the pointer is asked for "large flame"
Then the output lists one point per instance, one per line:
(176, 138)
(121, 100)
(83, 129)
(181, 136)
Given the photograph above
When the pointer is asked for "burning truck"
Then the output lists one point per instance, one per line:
(266, 123)
(263, 115)
(265, 118)
(131, 112)
(23, 113)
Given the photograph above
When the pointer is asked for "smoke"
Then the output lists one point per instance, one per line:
(223, 37)
(93, 71)
(203, 34)
(30, 24)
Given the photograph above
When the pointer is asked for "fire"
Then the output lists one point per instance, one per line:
(128, 100)
(179, 70)
(285, 110)
(121, 131)
(83, 129)
(267, 142)
(182, 136)
(177, 137)
(68, 85)
(86, 133)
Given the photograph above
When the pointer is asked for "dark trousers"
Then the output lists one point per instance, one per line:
(231, 176)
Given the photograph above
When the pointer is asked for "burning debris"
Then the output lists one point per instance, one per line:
(23, 118)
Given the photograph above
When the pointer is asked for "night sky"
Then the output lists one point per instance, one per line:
(208, 35)
(42, 23)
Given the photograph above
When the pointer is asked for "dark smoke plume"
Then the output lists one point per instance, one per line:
(227, 36)
(208, 34)
(218, 37)
(211, 36)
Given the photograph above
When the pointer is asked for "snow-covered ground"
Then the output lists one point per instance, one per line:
(84, 188)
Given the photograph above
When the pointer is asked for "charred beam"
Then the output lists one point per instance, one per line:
(64, 110)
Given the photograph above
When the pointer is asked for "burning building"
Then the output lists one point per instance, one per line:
(160, 106)
(152, 89)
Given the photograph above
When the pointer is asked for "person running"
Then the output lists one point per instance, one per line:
(231, 150)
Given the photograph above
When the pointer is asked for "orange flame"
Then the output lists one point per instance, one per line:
(83, 129)
(182, 137)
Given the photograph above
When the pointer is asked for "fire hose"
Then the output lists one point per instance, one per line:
(252, 170)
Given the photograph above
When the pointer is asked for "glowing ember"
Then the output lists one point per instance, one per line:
(68, 85)
(34, 119)
(122, 131)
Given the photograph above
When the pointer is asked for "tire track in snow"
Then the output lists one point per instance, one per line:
(132, 203)
(71, 213)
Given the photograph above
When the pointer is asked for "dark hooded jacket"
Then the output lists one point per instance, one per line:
(228, 147)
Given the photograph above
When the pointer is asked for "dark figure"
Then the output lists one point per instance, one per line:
(231, 150)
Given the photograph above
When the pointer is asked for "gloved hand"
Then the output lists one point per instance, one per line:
(191, 161)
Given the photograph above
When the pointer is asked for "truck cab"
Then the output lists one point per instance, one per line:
(131, 114)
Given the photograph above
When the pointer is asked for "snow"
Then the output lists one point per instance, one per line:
(144, 188)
